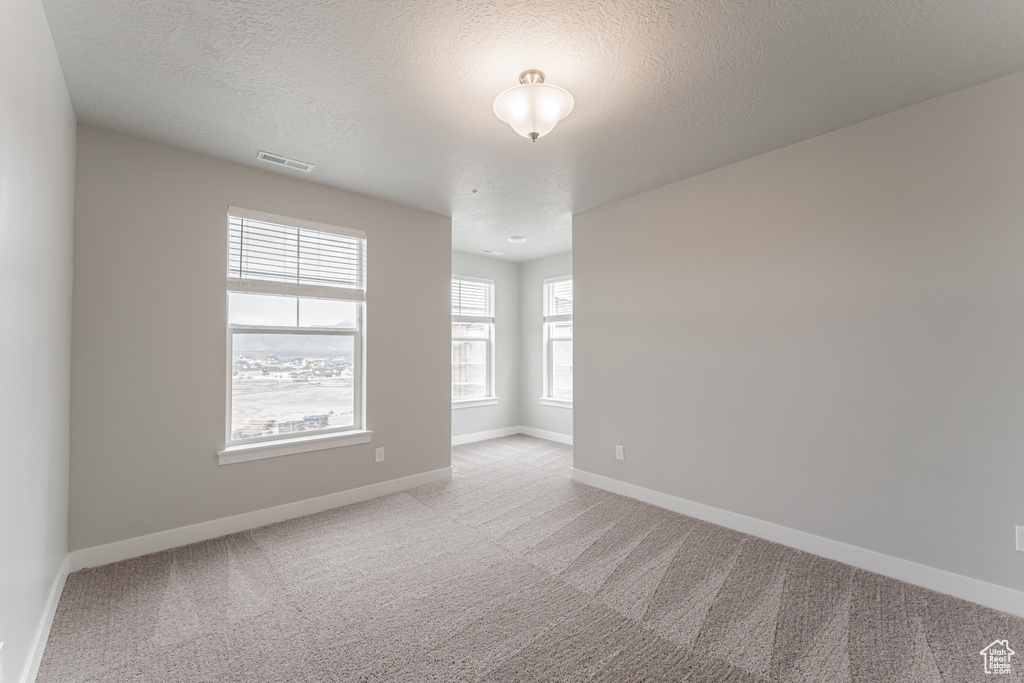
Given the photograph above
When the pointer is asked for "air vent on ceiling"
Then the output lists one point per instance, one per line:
(284, 161)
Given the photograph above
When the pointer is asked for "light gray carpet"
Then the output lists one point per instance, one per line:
(509, 572)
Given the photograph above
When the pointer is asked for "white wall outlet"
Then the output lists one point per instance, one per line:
(379, 456)
(619, 453)
(1020, 538)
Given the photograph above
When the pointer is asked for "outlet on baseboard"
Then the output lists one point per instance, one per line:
(379, 456)
(619, 453)
(1020, 538)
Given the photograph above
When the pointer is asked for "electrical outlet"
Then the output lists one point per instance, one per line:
(379, 457)
(619, 454)
(1020, 538)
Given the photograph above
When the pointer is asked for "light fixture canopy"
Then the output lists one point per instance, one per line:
(517, 239)
(533, 107)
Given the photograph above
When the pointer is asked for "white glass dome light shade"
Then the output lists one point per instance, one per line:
(533, 109)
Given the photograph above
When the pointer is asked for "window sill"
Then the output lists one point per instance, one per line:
(556, 402)
(475, 402)
(302, 444)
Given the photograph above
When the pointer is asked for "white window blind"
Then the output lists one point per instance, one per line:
(558, 300)
(558, 340)
(264, 256)
(296, 299)
(472, 298)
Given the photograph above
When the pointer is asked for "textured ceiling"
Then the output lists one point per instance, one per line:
(393, 98)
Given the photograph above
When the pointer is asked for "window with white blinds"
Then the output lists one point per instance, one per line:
(296, 302)
(472, 298)
(266, 254)
(558, 342)
(472, 341)
(558, 299)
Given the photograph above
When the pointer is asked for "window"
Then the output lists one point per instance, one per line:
(296, 294)
(472, 342)
(558, 341)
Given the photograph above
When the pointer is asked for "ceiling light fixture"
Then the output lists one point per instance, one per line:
(533, 107)
(517, 239)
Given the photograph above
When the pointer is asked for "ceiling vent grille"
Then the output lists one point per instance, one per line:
(284, 161)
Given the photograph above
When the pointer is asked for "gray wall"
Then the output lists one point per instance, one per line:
(37, 176)
(148, 356)
(506, 332)
(829, 336)
(531, 286)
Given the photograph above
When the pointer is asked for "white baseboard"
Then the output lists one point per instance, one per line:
(172, 538)
(983, 593)
(510, 431)
(483, 436)
(544, 434)
(42, 633)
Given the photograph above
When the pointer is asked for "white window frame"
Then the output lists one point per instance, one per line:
(260, 447)
(548, 353)
(491, 397)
